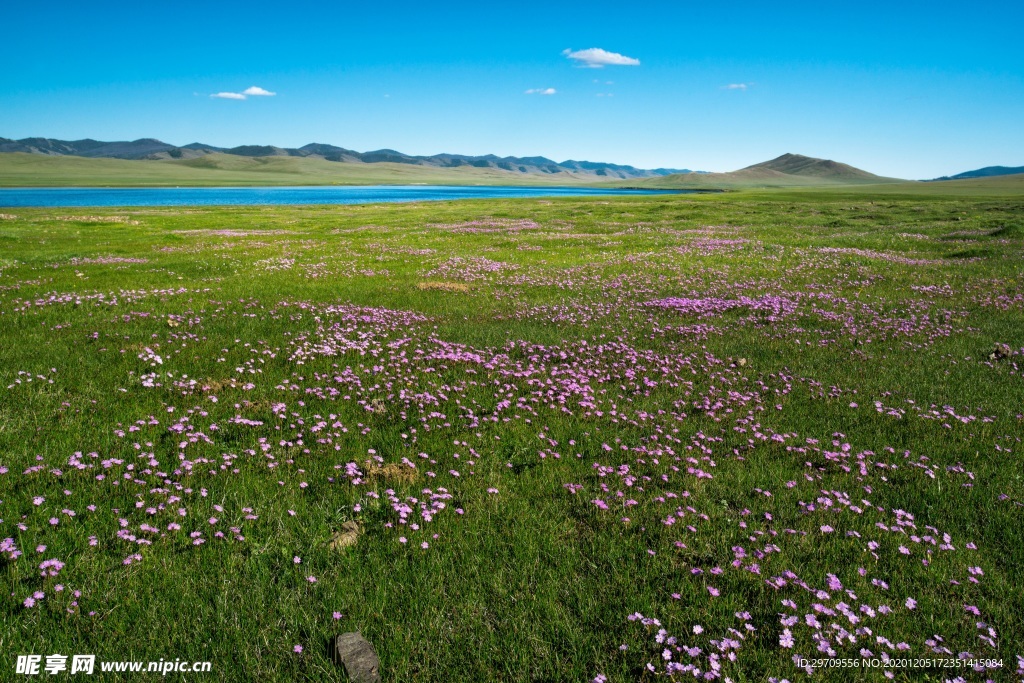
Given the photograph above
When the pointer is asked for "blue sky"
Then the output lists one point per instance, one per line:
(908, 89)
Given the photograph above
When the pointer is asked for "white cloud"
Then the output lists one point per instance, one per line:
(596, 58)
(737, 86)
(254, 91)
(541, 91)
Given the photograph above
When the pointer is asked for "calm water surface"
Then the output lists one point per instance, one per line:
(241, 196)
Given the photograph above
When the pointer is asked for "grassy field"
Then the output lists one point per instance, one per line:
(1012, 185)
(583, 439)
(751, 180)
(1007, 185)
(224, 170)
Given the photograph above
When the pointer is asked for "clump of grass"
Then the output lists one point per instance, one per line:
(124, 220)
(390, 472)
(442, 286)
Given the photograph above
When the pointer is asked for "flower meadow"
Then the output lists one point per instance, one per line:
(645, 438)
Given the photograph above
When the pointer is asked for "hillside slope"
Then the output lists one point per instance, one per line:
(991, 186)
(810, 167)
(788, 170)
(217, 169)
(154, 150)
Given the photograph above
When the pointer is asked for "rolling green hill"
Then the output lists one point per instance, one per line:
(788, 170)
(809, 167)
(151, 149)
(37, 170)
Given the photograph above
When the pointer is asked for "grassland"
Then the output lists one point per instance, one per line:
(1010, 185)
(583, 438)
(746, 179)
(225, 170)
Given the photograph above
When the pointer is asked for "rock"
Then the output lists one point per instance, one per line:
(1001, 352)
(356, 655)
(348, 535)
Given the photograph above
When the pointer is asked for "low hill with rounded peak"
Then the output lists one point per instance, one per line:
(788, 170)
(809, 167)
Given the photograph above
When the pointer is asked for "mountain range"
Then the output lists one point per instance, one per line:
(788, 170)
(986, 172)
(156, 150)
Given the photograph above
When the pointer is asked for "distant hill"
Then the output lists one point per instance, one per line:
(809, 167)
(986, 172)
(138, 149)
(788, 170)
(154, 150)
(20, 169)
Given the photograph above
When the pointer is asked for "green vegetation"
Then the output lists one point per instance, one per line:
(764, 420)
(786, 171)
(223, 170)
(996, 186)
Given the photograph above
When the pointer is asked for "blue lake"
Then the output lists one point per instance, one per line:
(247, 196)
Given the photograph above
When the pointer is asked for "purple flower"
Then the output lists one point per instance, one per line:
(786, 639)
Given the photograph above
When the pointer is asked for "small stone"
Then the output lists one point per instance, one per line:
(356, 655)
(348, 535)
(1001, 351)
(741, 362)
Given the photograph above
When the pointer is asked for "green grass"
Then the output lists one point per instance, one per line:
(225, 170)
(753, 179)
(220, 170)
(1010, 185)
(324, 310)
(1007, 185)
